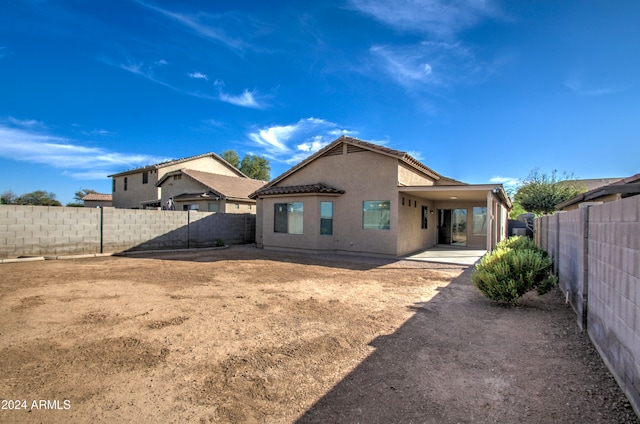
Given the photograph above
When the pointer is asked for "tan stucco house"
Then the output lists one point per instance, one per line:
(139, 189)
(188, 189)
(615, 190)
(357, 197)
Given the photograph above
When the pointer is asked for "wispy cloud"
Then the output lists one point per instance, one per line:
(198, 75)
(441, 19)
(428, 65)
(294, 142)
(246, 99)
(579, 87)
(204, 25)
(29, 145)
(249, 99)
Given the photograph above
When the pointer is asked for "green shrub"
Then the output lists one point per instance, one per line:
(515, 267)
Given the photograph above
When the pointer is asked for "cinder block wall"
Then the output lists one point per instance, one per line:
(613, 315)
(56, 231)
(48, 230)
(129, 229)
(572, 259)
(598, 262)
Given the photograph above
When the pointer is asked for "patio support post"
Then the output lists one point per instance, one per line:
(490, 219)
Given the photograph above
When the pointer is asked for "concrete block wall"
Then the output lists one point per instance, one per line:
(48, 230)
(613, 315)
(597, 258)
(58, 231)
(572, 264)
(129, 229)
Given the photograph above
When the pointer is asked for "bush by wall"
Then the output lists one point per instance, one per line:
(515, 267)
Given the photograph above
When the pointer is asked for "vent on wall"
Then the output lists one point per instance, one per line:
(335, 151)
(354, 149)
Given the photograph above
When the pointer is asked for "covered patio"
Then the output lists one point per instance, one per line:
(471, 216)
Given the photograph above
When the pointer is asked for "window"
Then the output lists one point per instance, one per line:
(125, 183)
(326, 218)
(191, 207)
(425, 217)
(113, 185)
(212, 207)
(236, 206)
(287, 218)
(376, 215)
(479, 221)
(145, 177)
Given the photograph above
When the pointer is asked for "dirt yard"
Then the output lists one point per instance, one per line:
(242, 335)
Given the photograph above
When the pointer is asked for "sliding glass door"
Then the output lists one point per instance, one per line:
(452, 227)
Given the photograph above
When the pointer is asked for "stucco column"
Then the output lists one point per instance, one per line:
(490, 220)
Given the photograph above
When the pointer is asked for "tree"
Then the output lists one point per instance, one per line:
(256, 167)
(79, 195)
(37, 198)
(540, 192)
(232, 157)
(253, 166)
(7, 197)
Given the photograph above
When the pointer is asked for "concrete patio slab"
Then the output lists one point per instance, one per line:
(448, 255)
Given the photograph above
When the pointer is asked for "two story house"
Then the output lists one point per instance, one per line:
(141, 189)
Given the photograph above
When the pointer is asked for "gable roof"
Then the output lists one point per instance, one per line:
(178, 161)
(363, 145)
(221, 185)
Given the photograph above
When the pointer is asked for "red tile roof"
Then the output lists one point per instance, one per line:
(97, 197)
(298, 189)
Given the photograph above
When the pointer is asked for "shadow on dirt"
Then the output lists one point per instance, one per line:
(462, 358)
(250, 252)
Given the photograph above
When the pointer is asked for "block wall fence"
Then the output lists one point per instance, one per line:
(596, 253)
(57, 231)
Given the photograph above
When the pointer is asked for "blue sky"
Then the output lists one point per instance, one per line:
(480, 91)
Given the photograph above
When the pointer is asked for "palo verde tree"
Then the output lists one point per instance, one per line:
(539, 193)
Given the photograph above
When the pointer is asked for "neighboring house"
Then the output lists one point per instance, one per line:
(356, 197)
(95, 200)
(137, 189)
(619, 189)
(188, 189)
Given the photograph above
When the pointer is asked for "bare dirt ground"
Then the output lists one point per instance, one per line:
(243, 335)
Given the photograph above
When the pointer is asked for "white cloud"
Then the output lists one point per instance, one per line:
(439, 18)
(428, 65)
(508, 182)
(27, 145)
(246, 99)
(579, 87)
(25, 123)
(204, 25)
(294, 142)
(198, 75)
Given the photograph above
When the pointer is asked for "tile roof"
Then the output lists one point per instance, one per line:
(97, 197)
(298, 189)
(222, 185)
